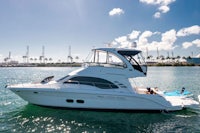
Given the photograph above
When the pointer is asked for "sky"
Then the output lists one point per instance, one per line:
(170, 26)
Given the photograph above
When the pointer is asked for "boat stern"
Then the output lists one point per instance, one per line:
(190, 103)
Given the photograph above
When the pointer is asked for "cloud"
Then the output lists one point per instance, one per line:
(187, 45)
(157, 15)
(163, 6)
(190, 44)
(143, 38)
(164, 41)
(116, 11)
(196, 42)
(134, 34)
(167, 41)
(195, 29)
(123, 42)
(121, 39)
(169, 36)
(158, 2)
(164, 9)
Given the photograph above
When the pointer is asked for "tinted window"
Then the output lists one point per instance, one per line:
(98, 82)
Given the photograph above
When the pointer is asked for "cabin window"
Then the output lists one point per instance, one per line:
(92, 81)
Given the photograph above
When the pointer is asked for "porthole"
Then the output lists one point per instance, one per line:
(70, 100)
(80, 101)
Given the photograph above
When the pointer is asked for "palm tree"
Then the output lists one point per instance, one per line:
(70, 58)
(35, 60)
(178, 58)
(77, 58)
(6, 59)
(31, 59)
(45, 60)
(50, 59)
(162, 57)
(149, 57)
(59, 61)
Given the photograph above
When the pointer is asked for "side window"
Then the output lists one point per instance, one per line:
(92, 81)
(114, 60)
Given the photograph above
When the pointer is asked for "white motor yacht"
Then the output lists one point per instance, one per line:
(104, 83)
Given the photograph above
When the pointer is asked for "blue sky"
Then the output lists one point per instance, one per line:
(167, 25)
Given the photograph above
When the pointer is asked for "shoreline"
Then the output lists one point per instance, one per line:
(80, 64)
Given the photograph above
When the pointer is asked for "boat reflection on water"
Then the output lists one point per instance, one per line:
(32, 118)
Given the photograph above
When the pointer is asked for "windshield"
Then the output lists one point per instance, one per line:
(104, 58)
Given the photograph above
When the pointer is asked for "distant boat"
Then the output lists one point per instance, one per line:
(194, 60)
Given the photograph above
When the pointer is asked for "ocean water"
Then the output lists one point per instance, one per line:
(16, 115)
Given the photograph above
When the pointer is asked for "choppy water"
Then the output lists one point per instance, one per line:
(16, 115)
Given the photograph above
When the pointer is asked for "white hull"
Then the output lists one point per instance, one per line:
(114, 101)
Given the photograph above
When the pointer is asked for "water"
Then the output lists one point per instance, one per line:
(16, 115)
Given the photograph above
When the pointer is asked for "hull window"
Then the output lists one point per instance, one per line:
(80, 101)
(70, 100)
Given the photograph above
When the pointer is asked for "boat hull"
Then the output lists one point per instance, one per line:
(81, 100)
